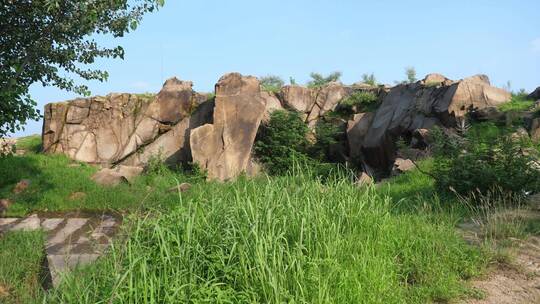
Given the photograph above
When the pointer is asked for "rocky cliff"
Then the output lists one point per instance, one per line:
(218, 132)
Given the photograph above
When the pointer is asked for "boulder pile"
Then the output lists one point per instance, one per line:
(218, 132)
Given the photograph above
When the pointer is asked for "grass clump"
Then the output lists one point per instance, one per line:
(518, 103)
(21, 254)
(290, 239)
(30, 143)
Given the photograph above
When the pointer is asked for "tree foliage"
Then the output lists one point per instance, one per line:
(318, 80)
(282, 141)
(51, 42)
(369, 79)
(410, 72)
(271, 83)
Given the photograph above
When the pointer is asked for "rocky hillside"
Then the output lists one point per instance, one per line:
(218, 131)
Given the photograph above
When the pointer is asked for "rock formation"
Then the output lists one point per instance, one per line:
(422, 105)
(535, 95)
(223, 148)
(119, 128)
(218, 133)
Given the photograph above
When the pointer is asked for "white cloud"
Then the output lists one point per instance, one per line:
(535, 45)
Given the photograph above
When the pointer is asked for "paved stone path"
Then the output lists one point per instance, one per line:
(70, 241)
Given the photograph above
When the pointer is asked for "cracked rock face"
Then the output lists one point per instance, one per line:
(111, 129)
(423, 105)
(223, 148)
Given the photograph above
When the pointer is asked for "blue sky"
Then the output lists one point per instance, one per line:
(202, 40)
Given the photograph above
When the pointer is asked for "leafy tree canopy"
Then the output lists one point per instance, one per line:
(318, 80)
(51, 42)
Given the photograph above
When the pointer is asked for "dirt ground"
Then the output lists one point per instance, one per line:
(516, 281)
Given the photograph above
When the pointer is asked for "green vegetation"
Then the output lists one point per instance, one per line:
(369, 79)
(21, 254)
(281, 141)
(30, 143)
(146, 96)
(485, 160)
(281, 240)
(410, 72)
(359, 102)
(518, 103)
(55, 179)
(53, 42)
(271, 83)
(318, 80)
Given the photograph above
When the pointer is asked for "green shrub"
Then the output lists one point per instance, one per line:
(369, 79)
(281, 141)
(518, 103)
(318, 80)
(484, 160)
(271, 83)
(326, 134)
(358, 102)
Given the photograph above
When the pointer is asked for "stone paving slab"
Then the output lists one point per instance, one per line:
(70, 242)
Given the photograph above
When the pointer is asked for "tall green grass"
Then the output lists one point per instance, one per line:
(21, 254)
(287, 239)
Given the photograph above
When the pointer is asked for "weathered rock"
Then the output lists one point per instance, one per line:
(4, 205)
(364, 180)
(356, 132)
(183, 187)
(417, 106)
(420, 138)
(520, 134)
(534, 129)
(488, 114)
(436, 79)
(21, 186)
(75, 196)
(106, 130)
(174, 102)
(316, 102)
(272, 103)
(403, 165)
(223, 148)
(117, 175)
(535, 95)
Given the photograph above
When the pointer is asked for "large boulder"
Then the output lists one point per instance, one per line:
(316, 102)
(535, 95)
(408, 107)
(223, 148)
(357, 129)
(111, 129)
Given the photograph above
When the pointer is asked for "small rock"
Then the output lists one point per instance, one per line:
(21, 186)
(183, 187)
(117, 175)
(420, 138)
(364, 180)
(3, 292)
(402, 165)
(4, 205)
(520, 134)
(75, 196)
